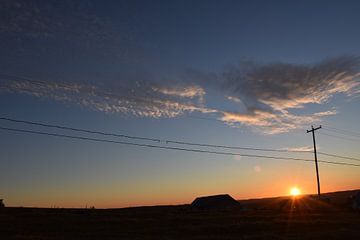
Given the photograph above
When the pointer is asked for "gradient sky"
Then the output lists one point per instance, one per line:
(238, 73)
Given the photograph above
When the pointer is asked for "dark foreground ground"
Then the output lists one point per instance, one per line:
(274, 218)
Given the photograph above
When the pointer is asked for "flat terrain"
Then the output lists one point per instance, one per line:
(272, 218)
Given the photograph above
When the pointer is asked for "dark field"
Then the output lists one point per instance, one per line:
(273, 218)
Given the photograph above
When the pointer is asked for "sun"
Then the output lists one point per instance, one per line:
(295, 191)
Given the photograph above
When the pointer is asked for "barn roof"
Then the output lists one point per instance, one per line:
(223, 201)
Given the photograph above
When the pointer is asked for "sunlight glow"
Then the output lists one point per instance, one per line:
(295, 191)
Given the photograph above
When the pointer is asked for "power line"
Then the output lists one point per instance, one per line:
(170, 148)
(149, 139)
(339, 163)
(78, 129)
(341, 129)
(239, 148)
(144, 145)
(339, 137)
(168, 141)
(338, 156)
(342, 132)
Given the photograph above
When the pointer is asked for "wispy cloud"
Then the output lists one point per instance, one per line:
(183, 92)
(234, 99)
(281, 86)
(272, 122)
(266, 95)
(138, 102)
(270, 92)
(300, 149)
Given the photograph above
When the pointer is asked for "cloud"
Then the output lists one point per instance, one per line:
(256, 118)
(184, 92)
(138, 102)
(300, 149)
(270, 92)
(272, 122)
(281, 86)
(234, 99)
(269, 98)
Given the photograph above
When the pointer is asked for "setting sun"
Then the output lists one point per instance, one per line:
(295, 191)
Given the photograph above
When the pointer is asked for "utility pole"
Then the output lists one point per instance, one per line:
(316, 162)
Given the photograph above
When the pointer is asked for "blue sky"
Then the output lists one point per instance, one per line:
(239, 73)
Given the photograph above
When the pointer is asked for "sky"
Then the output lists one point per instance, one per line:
(253, 74)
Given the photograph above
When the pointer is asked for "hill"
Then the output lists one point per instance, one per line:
(262, 219)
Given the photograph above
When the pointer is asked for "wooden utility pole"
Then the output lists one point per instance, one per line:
(316, 162)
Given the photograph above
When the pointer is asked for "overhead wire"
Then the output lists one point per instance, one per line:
(147, 138)
(169, 141)
(339, 137)
(338, 156)
(354, 135)
(78, 129)
(330, 126)
(239, 148)
(169, 148)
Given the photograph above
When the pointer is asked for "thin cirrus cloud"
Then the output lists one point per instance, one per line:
(300, 149)
(266, 94)
(138, 101)
(233, 99)
(272, 122)
(183, 92)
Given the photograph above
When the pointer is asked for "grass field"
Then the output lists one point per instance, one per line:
(271, 218)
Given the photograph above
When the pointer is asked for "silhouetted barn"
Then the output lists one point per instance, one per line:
(216, 202)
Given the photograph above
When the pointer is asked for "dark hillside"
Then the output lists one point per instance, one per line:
(261, 220)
